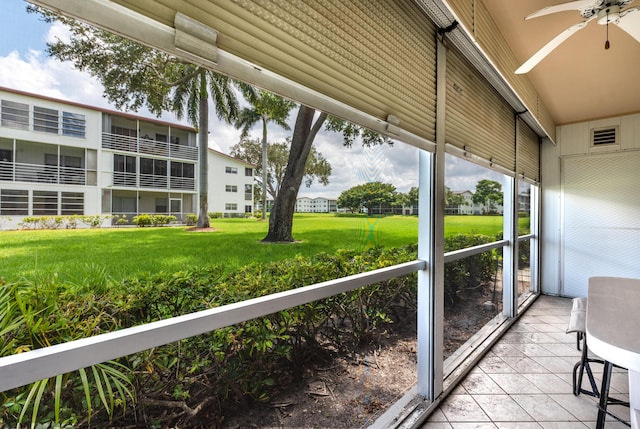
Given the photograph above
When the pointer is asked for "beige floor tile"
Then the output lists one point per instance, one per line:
(549, 383)
(495, 365)
(481, 383)
(555, 364)
(502, 408)
(525, 365)
(515, 383)
(462, 408)
(582, 408)
(483, 425)
(564, 425)
(543, 408)
(518, 425)
(436, 425)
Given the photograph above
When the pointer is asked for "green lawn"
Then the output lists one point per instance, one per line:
(78, 255)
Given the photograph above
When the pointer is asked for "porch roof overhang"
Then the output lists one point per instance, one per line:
(579, 81)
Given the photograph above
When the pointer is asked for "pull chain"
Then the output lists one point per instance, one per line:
(606, 44)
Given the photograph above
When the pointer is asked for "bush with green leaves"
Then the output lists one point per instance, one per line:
(191, 219)
(472, 272)
(66, 221)
(146, 219)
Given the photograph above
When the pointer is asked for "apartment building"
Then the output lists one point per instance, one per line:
(65, 158)
(316, 205)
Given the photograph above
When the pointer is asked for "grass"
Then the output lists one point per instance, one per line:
(80, 255)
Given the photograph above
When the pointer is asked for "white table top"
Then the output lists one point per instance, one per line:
(613, 320)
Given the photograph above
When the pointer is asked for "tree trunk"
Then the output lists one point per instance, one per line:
(264, 168)
(203, 155)
(281, 219)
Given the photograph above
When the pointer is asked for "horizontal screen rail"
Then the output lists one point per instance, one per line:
(470, 251)
(24, 368)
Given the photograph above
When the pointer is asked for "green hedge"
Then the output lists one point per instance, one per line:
(238, 363)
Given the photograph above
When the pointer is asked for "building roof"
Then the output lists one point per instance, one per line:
(232, 157)
(98, 109)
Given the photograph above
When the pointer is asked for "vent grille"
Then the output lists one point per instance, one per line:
(605, 136)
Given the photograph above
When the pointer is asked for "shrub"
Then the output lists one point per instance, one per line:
(191, 219)
(146, 219)
(236, 363)
(215, 215)
(471, 272)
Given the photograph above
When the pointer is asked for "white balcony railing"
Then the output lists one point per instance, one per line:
(38, 173)
(148, 146)
(133, 180)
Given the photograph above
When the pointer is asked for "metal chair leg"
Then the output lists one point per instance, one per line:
(604, 395)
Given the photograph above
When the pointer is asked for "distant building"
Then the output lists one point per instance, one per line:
(316, 205)
(469, 207)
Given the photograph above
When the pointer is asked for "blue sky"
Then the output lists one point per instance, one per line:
(20, 31)
(24, 65)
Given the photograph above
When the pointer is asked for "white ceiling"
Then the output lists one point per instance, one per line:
(579, 80)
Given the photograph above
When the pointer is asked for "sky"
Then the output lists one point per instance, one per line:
(24, 65)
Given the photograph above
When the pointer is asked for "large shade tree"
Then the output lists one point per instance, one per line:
(488, 194)
(265, 108)
(308, 124)
(250, 150)
(369, 196)
(134, 75)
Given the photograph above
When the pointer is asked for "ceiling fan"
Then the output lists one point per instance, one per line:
(604, 11)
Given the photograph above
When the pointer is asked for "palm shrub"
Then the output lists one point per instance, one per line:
(40, 315)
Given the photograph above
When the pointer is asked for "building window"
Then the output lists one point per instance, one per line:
(231, 170)
(14, 115)
(124, 163)
(182, 169)
(248, 209)
(122, 131)
(45, 120)
(124, 170)
(248, 171)
(14, 202)
(156, 167)
(248, 192)
(73, 124)
(45, 203)
(72, 203)
(231, 206)
(231, 188)
(161, 205)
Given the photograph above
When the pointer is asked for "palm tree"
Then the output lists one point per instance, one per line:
(191, 95)
(266, 107)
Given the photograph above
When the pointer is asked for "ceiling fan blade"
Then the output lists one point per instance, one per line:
(630, 22)
(576, 5)
(546, 49)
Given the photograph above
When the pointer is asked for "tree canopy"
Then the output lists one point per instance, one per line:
(488, 194)
(368, 196)
(265, 108)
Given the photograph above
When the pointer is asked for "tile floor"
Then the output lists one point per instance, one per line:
(524, 382)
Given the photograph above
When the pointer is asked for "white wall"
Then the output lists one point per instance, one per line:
(218, 197)
(590, 206)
